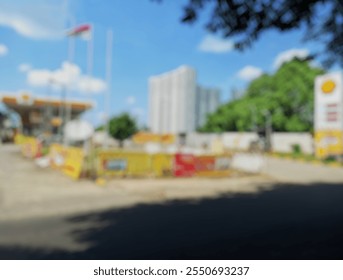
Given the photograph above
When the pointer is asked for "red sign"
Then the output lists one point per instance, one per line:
(205, 163)
(184, 165)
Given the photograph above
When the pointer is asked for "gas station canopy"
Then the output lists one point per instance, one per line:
(38, 112)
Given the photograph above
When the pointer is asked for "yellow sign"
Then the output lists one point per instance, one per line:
(123, 163)
(146, 137)
(328, 143)
(29, 146)
(68, 159)
(162, 164)
(19, 139)
(328, 86)
(56, 121)
(57, 156)
(73, 162)
(25, 99)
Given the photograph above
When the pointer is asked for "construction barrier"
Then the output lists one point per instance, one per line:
(19, 139)
(251, 163)
(122, 163)
(30, 147)
(57, 156)
(184, 165)
(73, 163)
(212, 166)
(119, 163)
(67, 159)
(162, 165)
(328, 143)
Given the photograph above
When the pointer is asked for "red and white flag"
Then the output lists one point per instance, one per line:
(84, 31)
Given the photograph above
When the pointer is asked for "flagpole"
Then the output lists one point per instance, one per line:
(107, 100)
(71, 52)
(90, 53)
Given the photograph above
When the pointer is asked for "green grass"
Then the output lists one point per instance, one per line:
(306, 157)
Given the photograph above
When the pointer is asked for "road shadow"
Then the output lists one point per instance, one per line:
(287, 222)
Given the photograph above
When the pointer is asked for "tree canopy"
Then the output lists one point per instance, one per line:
(288, 95)
(122, 127)
(246, 20)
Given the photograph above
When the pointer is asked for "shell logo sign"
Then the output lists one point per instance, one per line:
(328, 117)
(328, 86)
(56, 121)
(25, 99)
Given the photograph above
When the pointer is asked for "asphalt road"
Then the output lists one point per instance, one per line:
(283, 221)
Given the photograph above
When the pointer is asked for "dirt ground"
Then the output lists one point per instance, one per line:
(27, 191)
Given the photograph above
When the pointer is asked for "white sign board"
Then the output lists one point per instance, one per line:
(329, 102)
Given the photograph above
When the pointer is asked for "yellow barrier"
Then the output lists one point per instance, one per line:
(67, 159)
(124, 163)
(121, 163)
(29, 147)
(139, 164)
(19, 139)
(73, 162)
(212, 166)
(329, 143)
(162, 164)
(57, 156)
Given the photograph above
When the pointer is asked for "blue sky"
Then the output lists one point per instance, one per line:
(148, 40)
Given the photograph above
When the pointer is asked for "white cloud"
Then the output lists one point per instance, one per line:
(249, 73)
(215, 45)
(39, 77)
(3, 50)
(68, 75)
(130, 100)
(91, 85)
(289, 55)
(35, 18)
(24, 67)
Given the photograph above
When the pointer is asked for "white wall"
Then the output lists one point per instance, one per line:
(238, 140)
(283, 141)
(197, 140)
(231, 140)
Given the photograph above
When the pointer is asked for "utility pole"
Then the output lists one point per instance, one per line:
(109, 43)
(67, 88)
(253, 117)
(268, 129)
(62, 109)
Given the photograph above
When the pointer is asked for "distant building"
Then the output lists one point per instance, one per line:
(172, 101)
(207, 101)
(176, 104)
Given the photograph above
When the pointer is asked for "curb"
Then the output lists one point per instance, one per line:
(312, 161)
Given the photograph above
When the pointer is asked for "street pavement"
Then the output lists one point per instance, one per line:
(44, 215)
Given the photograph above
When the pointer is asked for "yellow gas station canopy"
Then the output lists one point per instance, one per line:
(26, 100)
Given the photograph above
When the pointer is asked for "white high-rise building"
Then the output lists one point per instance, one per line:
(207, 101)
(177, 104)
(172, 101)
